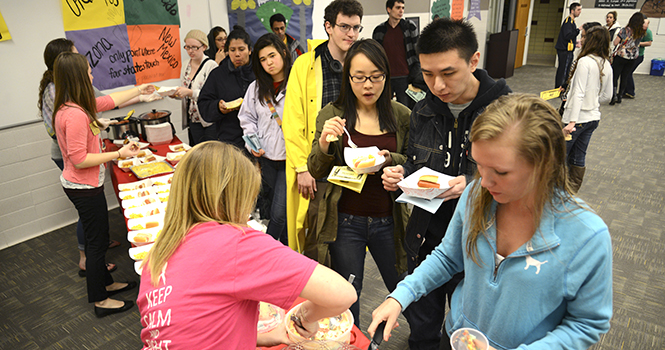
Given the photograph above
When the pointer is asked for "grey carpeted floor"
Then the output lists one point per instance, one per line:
(43, 303)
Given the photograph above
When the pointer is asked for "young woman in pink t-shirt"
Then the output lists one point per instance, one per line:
(206, 273)
(77, 129)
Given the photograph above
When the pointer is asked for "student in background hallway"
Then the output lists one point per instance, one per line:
(565, 44)
(278, 26)
(647, 40)
(627, 53)
(399, 38)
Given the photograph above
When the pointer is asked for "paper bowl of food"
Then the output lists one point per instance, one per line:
(140, 193)
(145, 211)
(127, 164)
(137, 202)
(364, 160)
(136, 185)
(331, 330)
(425, 183)
(151, 159)
(139, 253)
(162, 180)
(138, 268)
(181, 147)
(468, 339)
(270, 316)
(175, 157)
(154, 221)
(143, 237)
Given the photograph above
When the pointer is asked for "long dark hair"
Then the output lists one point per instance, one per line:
(596, 42)
(52, 50)
(347, 99)
(264, 80)
(73, 85)
(635, 23)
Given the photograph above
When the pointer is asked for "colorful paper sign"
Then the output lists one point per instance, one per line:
(4, 31)
(256, 17)
(457, 9)
(474, 9)
(126, 42)
(440, 9)
(86, 14)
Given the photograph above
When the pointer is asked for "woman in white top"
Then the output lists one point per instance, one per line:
(261, 115)
(613, 26)
(590, 84)
(193, 78)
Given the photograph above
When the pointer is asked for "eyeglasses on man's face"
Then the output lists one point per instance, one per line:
(194, 48)
(376, 78)
(345, 28)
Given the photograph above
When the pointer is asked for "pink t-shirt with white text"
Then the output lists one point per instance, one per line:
(208, 294)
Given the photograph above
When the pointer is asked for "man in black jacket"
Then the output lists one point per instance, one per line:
(565, 44)
(439, 140)
(399, 37)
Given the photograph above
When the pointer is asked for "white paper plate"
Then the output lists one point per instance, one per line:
(137, 202)
(137, 267)
(142, 223)
(352, 153)
(153, 232)
(136, 185)
(145, 211)
(140, 193)
(174, 148)
(410, 187)
(137, 253)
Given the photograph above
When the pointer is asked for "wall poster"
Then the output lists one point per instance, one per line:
(255, 17)
(126, 42)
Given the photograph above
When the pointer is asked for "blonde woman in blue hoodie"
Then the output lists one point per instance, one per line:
(537, 260)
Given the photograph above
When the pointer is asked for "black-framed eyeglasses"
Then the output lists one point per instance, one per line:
(376, 78)
(194, 48)
(345, 28)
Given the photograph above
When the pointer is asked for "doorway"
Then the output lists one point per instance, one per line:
(522, 25)
(545, 25)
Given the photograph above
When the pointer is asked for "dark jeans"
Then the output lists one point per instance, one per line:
(630, 83)
(576, 148)
(354, 235)
(273, 174)
(565, 60)
(93, 213)
(426, 315)
(623, 68)
(198, 134)
(80, 237)
(399, 86)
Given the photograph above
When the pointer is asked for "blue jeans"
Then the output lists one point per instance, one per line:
(273, 175)
(630, 83)
(576, 148)
(347, 253)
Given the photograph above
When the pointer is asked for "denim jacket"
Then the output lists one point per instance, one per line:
(440, 142)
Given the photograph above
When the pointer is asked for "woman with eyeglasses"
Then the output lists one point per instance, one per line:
(216, 36)
(227, 83)
(193, 77)
(349, 222)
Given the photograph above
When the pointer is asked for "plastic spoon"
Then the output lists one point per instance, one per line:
(353, 145)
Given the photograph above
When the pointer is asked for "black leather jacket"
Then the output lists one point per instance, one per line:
(440, 142)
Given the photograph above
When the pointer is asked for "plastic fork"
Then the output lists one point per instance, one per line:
(353, 145)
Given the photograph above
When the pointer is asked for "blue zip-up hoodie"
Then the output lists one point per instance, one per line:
(554, 292)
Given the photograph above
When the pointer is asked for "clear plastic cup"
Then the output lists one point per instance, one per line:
(462, 339)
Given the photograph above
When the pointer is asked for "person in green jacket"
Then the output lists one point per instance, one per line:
(349, 222)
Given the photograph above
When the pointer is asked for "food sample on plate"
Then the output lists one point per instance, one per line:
(126, 164)
(138, 202)
(163, 197)
(144, 237)
(331, 138)
(175, 156)
(183, 147)
(429, 181)
(131, 186)
(140, 252)
(162, 189)
(269, 317)
(234, 104)
(138, 193)
(150, 169)
(162, 180)
(364, 161)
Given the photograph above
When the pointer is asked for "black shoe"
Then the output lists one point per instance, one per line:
(102, 311)
(613, 101)
(130, 285)
(629, 96)
(115, 267)
(618, 98)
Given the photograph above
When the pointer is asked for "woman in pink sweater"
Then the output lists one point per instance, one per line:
(77, 129)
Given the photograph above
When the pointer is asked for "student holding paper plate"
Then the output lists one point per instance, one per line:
(261, 120)
(351, 221)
